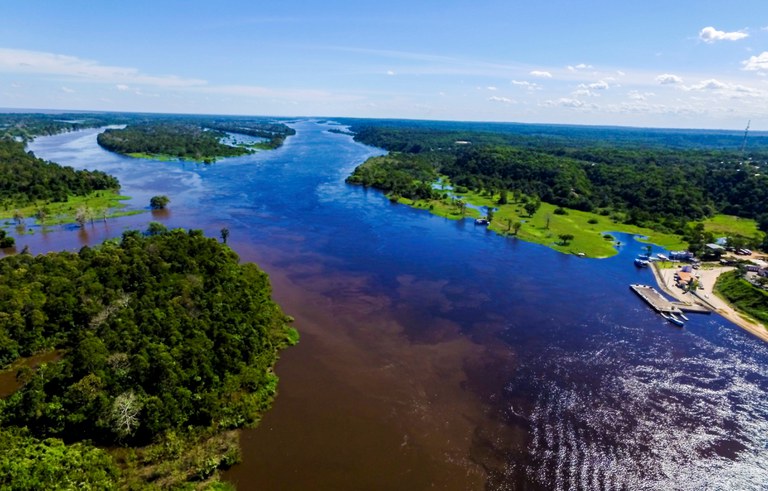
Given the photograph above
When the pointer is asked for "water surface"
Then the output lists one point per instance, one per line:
(436, 354)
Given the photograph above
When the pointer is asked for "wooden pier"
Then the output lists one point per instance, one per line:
(660, 304)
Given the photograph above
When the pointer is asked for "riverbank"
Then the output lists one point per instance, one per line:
(97, 205)
(590, 232)
(665, 278)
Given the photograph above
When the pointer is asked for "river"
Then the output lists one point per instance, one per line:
(436, 354)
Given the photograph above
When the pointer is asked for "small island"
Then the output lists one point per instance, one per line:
(194, 140)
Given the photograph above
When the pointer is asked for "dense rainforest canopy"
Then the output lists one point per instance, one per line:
(179, 140)
(656, 178)
(161, 333)
(194, 139)
(25, 179)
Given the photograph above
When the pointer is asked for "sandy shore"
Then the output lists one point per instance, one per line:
(665, 278)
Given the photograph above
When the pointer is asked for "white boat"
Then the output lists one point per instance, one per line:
(682, 316)
(674, 320)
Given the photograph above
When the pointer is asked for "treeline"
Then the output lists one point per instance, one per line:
(434, 135)
(25, 179)
(180, 140)
(658, 186)
(407, 176)
(161, 333)
(25, 127)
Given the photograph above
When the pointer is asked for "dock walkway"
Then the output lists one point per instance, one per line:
(660, 304)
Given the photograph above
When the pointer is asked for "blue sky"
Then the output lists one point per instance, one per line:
(684, 63)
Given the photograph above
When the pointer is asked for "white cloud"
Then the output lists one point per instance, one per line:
(492, 88)
(639, 96)
(580, 66)
(566, 102)
(390, 73)
(67, 90)
(122, 87)
(41, 63)
(505, 100)
(727, 89)
(669, 79)
(620, 73)
(584, 92)
(526, 84)
(541, 74)
(757, 63)
(601, 85)
(711, 84)
(711, 35)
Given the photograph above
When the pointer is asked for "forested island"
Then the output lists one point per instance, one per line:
(164, 344)
(194, 139)
(541, 182)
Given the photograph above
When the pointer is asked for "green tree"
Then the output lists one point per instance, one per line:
(531, 207)
(159, 202)
(156, 228)
(516, 227)
(224, 234)
(462, 207)
(565, 238)
(6, 241)
(503, 199)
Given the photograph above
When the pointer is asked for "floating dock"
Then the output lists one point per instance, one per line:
(663, 306)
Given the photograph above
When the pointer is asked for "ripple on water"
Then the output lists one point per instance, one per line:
(668, 422)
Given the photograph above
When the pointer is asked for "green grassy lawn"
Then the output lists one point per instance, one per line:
(154, 156)
(588, 237)
(101, 204)
(728, 225)
(162, 157)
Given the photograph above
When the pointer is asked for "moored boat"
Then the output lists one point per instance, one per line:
(674, 320)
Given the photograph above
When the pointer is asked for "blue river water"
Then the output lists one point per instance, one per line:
(437, 354)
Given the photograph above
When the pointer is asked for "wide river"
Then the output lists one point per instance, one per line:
(435, 354)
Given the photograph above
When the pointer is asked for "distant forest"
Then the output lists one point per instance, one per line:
(661, 179)
(169, 139)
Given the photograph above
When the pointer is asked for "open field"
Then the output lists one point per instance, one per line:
(728, 225)
(590, 230)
